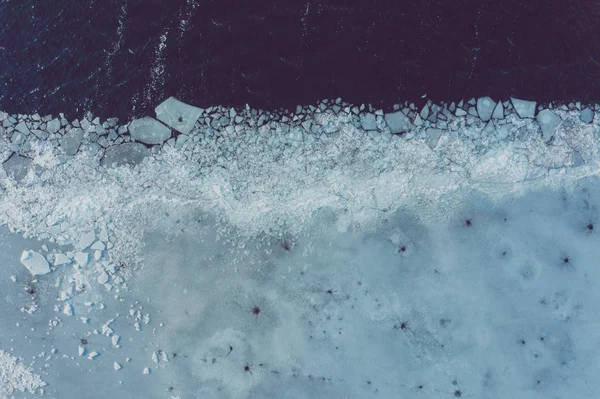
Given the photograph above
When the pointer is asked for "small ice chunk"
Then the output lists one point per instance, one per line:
(180, 116)
(460, 112)
(425, 112)
(82, 258)
(68, 309)
(525, 109)
(433, 136)
(485, 108)
(61, 259)
(81, 350)
(368, 121)
(115, 340)
(548, 122)
(149, 131)
(86, 240)
(13, 279)
(71, 141)
(22, 127)
(53, 126)
(93, 355)
(99, 246)
(155, 357)
(498, 111)
(103, 278)
(97, 255)
(587, 115)
(146, 371)
(35, 263)
(397, 122)
(117, 366)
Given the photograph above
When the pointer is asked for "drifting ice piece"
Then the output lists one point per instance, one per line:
(485, 108)
(368, 122)
(525, 109)
(587, 115)
(498, 111)
(548, 121)
(61, 259)
(86, 240)
(149, 131)
(180, 116)
(397, 122)
(35, 263)
(71, 141)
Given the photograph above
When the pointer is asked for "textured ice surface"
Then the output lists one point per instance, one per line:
(308, 258)
(149, 131)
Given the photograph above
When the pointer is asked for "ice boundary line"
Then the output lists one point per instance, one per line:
(265, 172)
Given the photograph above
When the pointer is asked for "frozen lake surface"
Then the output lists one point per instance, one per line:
(337, 252)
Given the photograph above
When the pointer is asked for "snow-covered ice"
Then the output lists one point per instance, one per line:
(306, 255)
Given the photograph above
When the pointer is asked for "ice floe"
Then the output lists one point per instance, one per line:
(35, 263)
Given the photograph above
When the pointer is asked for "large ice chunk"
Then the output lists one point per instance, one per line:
(587, 115)
(397, 122)
(35, 263)
(127, 153)
(433, 136)
(548, 121)
(180, 116)
(149, 131)
(485, 108)
(525, 109)
(53, 126)
(368, 121)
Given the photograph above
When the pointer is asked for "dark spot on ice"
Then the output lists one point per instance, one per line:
(468, 223)
(420, 387)
(458, 393)
(403, 248)
(523, 342)
(566, 260)
(454, 382)
(83, 341)
(286, 245)
(590, 227)
(256, 311)
(180, 119)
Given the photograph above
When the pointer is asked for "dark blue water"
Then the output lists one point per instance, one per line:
(106, 55)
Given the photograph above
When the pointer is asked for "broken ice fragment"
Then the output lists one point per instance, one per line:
(117, 366)
(146, 371)
(35, 263)
(93, 355)
(525, 109)
(53, 126)
(81, 350)
(86, 240)
(103, 278)
(587, 115)
(68, 309)
(155, 357)
(180, 116)
(485, 108)
(548, 122)
(149, 131)
(368, 122)
(115, 340)
(22, 127)
(99, 246)
(433, 136)
(397, 122)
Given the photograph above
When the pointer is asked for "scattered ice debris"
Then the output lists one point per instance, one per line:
(178, 115)
(587, 115)
(16, 377)
(35, 263)
(548, 122)
(155, 357)
(146, 371)
(149, 131)
(115, 340)
(68, 309)
(525, 109)
(117, 366)
(93, 355)
(485, 108)
(123, 154)
(81, 350)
